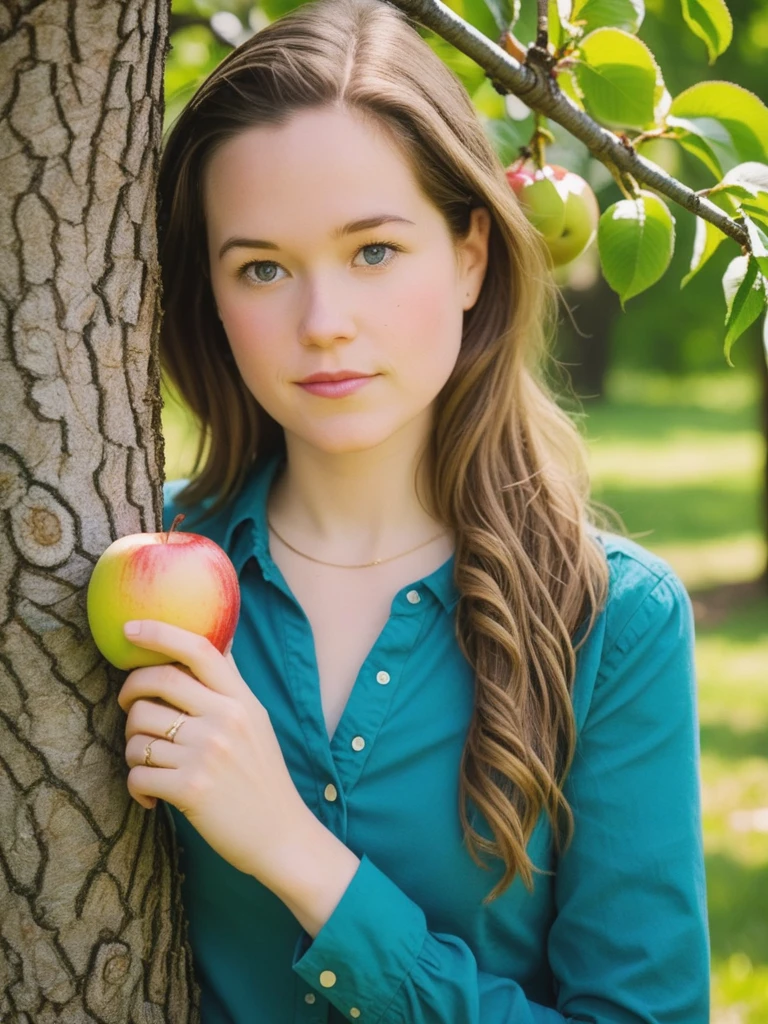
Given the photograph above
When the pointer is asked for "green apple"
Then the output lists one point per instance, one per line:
(582, 215)
(540, 199)
(560, 205)
(184, 579)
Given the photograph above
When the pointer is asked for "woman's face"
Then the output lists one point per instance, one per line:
(297, 296)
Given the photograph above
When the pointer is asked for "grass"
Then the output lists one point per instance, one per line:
(680, 460)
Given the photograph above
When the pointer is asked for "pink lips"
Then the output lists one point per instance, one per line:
(337, 388)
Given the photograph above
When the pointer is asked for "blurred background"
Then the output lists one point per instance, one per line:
(677, 439)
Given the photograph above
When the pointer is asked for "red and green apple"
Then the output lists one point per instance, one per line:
(559, 204)
(184, 579)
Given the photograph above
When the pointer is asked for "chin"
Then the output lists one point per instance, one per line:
(349, 435)
(347, 444)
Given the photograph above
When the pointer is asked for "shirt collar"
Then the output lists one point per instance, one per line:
(250, 508)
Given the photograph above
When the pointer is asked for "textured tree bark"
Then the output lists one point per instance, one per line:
(91, 924)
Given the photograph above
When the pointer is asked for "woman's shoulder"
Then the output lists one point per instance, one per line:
(641, 584)
(642, 647)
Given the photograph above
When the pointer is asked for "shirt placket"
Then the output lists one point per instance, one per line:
(338, 764)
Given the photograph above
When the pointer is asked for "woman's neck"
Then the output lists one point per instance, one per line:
(356, 506)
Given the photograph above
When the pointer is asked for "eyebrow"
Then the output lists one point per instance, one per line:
(348, 229)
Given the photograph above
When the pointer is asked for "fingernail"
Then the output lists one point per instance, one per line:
(132, 628)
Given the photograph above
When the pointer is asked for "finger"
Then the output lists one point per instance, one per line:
(163, 753)
(147, 783)
(151, 719)
(170, 684)
(196, 652)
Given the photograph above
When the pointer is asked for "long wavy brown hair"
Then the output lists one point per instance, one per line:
(509, 465)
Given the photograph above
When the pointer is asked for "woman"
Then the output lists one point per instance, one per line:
(440, 652)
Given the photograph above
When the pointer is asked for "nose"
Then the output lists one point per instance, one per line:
(326, 317)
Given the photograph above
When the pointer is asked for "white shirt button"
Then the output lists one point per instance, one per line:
(330, 792)
(327, 979)
(413, 596)
(382, 677)
(354, 1012)
(358, 743)
(309, 997)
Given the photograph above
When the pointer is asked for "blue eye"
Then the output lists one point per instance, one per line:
(260, 265)
(380, 248)
(270, 265)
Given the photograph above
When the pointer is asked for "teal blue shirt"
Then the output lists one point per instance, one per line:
(615, 934)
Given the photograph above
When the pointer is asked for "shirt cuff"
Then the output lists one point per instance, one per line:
(366, 949)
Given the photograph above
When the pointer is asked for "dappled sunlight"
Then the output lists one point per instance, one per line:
(735, 981)
(689, 457)
(711, 391)
(703, 564)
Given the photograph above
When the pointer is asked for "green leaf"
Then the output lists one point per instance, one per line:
(757, 210)
(758, 243)
(721, 123)
(508, 136)
(735, 190)
(711, 21)
(625, 14)
(752, 173)
(567, 82)
(619, 78)
(480, 15)
(488, 101)
(514, 15)
(688, 135)
(744, 289)
(504, 13)
(559, 23)
(708, 237)
(636, 238)
(747, 184)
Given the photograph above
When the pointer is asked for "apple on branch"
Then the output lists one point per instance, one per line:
(560, 205)
(184, 579)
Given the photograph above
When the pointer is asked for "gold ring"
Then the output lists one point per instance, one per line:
(173, 729)
(148, 755)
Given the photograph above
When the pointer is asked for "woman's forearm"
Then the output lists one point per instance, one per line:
(316, 871)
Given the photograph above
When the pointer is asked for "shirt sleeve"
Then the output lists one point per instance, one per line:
(629, 943)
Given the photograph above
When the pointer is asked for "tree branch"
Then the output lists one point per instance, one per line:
(542, 25)
(540, 92)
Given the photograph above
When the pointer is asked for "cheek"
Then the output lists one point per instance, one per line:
(244, 323)
(426, 325)
(255, 339)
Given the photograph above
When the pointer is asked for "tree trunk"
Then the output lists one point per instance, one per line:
(91, 922)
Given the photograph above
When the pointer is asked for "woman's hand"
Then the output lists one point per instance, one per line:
(223, 769)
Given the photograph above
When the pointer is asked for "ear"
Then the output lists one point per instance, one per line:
(473, 256)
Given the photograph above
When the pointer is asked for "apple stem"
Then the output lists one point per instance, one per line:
(537, 142)
(179, 518)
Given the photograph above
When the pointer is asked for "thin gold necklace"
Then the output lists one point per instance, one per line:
(365, 565)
